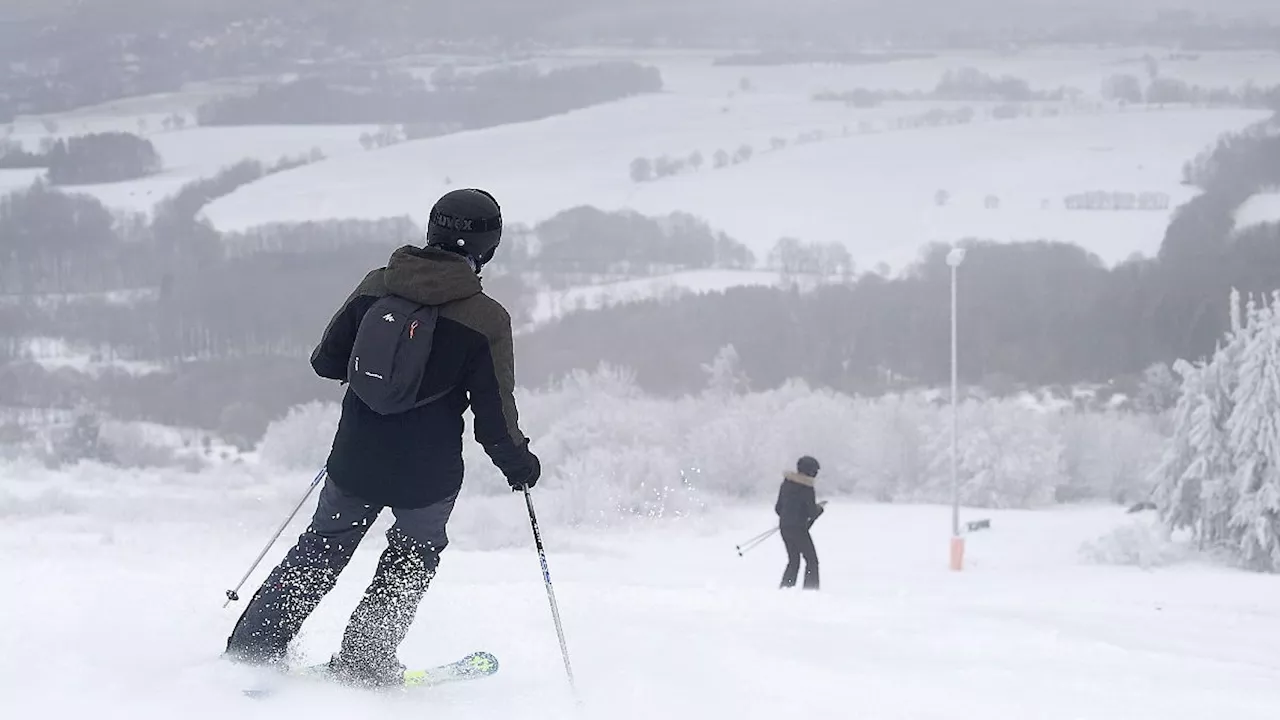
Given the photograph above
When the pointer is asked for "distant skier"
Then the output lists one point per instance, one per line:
(797, 509)
(390, 449)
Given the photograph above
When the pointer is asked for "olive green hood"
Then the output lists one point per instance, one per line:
(430, 276)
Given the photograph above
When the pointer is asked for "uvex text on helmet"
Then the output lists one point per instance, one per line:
(467, 221)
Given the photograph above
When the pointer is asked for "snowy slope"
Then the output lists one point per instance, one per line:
(552, 304)
(56, 353)
(124, 114)
(1258, 210)
(200, 152)
(121, 619)
(11, 180)
(874, 192)
(543, 166)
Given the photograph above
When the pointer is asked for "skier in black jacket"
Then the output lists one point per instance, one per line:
(410, 462)
(797, 509)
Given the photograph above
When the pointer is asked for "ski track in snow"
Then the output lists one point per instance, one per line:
(116, 619)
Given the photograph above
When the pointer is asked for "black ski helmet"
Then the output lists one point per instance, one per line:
(807, 466)
(468, 222)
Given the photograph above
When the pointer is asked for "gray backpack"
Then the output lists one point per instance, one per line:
(389, 358)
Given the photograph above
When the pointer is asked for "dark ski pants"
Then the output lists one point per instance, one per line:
(311, 569)
(799, 543)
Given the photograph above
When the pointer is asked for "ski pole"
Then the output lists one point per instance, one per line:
(551, 595)
(754, 542)
(233, 595)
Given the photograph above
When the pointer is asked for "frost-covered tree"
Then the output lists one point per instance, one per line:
(725, 376)
(1109, 454)
(1122, 88)
(1196, 459)
(1192, 491)
(1254, 433)
(1007, 457)
(1159, 389)
(1219, 475)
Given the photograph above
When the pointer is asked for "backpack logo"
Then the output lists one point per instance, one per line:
(389, 317)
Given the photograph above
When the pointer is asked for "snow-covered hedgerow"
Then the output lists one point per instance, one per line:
(1142, 542)
(608, 451)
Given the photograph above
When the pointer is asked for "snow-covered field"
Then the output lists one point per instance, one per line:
(1258, 210)
(11, 180)
(119, 616)
(131, 114)
(551, 304)
(873, 192)
(56, 353)
(867, 183)
(202, 152)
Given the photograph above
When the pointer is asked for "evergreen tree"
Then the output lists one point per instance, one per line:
(1254, 431)
(725, 377)
(1193, 489)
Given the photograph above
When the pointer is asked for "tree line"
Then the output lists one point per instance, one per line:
(965, 84)
(87, 159)
(969, 84)
(212, 308)
(454, 100)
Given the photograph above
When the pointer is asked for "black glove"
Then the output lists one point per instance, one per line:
(817, 512)
(531, 478)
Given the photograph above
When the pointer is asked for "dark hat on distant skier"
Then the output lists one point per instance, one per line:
(467, 222)
(807, 466)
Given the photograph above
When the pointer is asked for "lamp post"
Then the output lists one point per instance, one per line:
(954, 258)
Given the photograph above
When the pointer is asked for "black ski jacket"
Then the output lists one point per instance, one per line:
(414, 459)
(797, 504)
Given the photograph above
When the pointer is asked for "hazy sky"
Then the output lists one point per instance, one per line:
(874, 9)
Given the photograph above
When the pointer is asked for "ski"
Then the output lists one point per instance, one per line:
(471, 667)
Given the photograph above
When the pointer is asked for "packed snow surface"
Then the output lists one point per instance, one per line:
(116, 613)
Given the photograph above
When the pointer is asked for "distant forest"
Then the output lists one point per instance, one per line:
(453, 100)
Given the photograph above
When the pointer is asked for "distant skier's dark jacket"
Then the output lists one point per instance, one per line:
(797, 504)
(414, 459)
